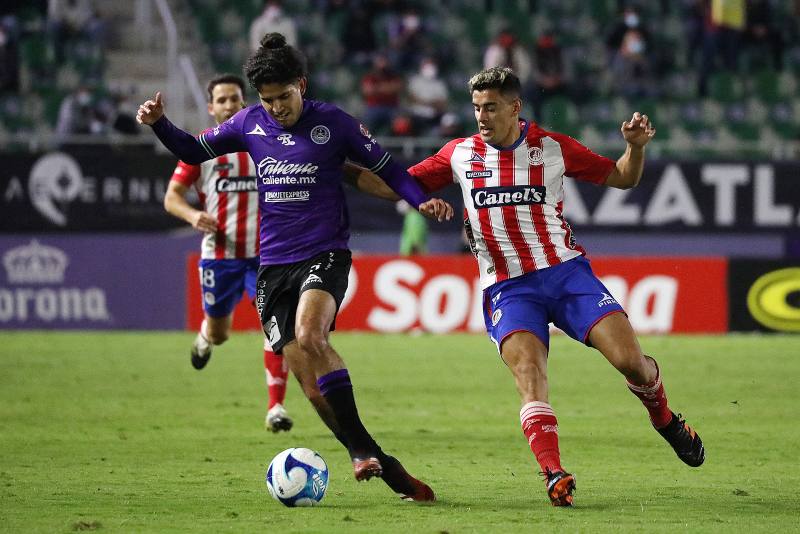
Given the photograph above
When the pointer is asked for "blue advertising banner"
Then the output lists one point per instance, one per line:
(93, 282)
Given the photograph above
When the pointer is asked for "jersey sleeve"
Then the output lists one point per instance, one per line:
(186, 174)
(361, 146)
(581, 163)
(225, 138)
(435, 172)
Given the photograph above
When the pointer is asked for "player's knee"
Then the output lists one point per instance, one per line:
(631, 362)
(217, 337)
(311, 340)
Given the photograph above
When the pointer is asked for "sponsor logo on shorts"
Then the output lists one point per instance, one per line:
(479, 174)
(209, 298)
(518, 195)
(496, 316)
(496, 298)
(312, 279)
(606, 300)
(287, 196)
(272, 331)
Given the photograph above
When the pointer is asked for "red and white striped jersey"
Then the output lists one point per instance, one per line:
(513, 197)
(228, 189)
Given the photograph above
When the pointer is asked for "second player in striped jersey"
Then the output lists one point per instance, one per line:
(228, 192)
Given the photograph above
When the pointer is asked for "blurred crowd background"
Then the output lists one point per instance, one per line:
(717, 77)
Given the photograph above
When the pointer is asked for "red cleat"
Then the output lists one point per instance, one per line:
(366, 468)
(560, 486)
(408, 487)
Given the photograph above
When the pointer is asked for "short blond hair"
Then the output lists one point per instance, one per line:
(502, 78)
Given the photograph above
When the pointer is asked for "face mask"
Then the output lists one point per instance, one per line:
(631, 20)
(411, 22)
(429, 71)
(635, 46)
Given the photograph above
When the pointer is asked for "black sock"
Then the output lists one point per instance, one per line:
(338, 391)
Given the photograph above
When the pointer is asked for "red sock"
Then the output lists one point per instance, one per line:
(277, 373)
(541, 428)
(654, 399)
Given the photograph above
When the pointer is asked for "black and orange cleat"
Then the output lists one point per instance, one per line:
(405, 485)
(684, 440)
(366, 468)
(560, 487)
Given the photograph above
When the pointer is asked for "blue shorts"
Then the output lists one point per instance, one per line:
(222, 283)
(569, 295)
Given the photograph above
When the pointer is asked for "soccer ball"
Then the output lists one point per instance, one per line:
(297, 477)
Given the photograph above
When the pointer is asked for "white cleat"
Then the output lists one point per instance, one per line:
(277, 419)
(201, 352)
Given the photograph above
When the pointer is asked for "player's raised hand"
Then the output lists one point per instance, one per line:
(436, 208)
(638, 131)
(204, 222)
(151, 111)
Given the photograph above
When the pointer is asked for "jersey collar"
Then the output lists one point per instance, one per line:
(524, 125)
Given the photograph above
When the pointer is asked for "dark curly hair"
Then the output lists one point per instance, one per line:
(275, 62)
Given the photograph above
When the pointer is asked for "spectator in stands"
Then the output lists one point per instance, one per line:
(80, 114)
(630, 20)
(631, 68)
(408, 43)
(358, 37)
(549, 71)
(762, 34)
(272, 19)
(66, 21)
(722, 39)
(9, 61)
(505, 51)
(381, 88)
(694, 14)
(450, 125)
(427, 94)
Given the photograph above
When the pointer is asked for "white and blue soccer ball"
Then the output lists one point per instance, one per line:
(297, 477)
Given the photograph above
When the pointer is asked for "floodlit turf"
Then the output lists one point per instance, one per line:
(116, 432)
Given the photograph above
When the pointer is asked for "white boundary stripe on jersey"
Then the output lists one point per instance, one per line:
(525, 212)
(206, 146)
(553, 175)
(507, 250)
(381, 163)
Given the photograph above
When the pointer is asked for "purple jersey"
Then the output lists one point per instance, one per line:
(302, 203)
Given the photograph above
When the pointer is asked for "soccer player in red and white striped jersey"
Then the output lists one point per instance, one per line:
(229, 260)
(532, 270)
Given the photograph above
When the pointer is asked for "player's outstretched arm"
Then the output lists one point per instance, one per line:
(183, 144)
(368, 182)
(175, 203)
(409, 190)
(637, 133)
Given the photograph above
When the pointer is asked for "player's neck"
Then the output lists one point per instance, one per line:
(511, 137)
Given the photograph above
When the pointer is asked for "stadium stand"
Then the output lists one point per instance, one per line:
(758, 104)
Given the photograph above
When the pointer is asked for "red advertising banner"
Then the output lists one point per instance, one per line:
(442, 294)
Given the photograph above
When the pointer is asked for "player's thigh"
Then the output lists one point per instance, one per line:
(525, 355)
(276, 304)
(323, 284)
(614, 337)
(221, 285)
(513, 306)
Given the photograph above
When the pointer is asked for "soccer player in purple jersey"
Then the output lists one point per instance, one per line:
(299, 147)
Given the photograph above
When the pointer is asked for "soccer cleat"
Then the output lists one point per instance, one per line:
(201, 352)
(560, 486)
(684, 440)
(408, 487)
(366, 468)
(277, 419)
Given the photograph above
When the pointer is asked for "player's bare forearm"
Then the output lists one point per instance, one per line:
(637, 132)
(176, 204)
(368, 182)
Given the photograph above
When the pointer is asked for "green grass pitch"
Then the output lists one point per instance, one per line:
(116, 432)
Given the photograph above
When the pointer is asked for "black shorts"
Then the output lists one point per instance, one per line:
(279, 287)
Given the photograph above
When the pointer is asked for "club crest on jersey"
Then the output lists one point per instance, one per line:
(535, 156)
(320, 134)
(475, 158)
(517, 195)
(286, 139)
